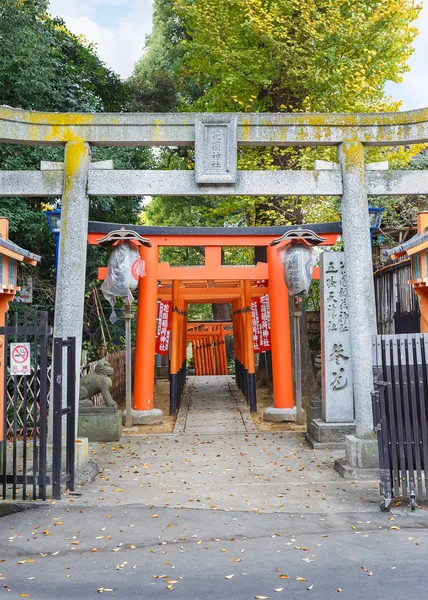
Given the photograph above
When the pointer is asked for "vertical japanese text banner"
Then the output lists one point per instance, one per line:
(163, 331)
(260, 315)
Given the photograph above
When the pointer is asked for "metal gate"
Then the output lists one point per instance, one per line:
(29, 466)
(400, 403)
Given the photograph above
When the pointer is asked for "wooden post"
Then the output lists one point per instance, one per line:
(128, 364)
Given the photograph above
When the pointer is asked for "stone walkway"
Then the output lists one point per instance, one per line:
(213, 405)
(217, 460)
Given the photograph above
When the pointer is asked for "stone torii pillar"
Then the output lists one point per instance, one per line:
(70, 297)
(361, 449)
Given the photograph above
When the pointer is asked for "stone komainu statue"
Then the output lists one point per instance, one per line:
(98, 382)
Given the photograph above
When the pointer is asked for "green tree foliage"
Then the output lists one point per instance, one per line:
(294, 55)
(43, 66)
(282, 56)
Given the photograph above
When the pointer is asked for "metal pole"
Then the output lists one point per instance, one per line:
(297, 348)
(128, 365)
(56, 252)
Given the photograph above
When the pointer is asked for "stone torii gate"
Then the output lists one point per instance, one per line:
(216, 137)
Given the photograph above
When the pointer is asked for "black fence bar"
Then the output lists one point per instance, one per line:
(400, 416)
(71, 416)
(25, 415)
(57, 418)
(43, 412)
(3, 444)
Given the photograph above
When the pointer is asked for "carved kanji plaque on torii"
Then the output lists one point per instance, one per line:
(216, 149)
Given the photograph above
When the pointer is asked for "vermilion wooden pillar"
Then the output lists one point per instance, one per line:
(251, 389)
(280, 333)
(145, 346)
(175, 349)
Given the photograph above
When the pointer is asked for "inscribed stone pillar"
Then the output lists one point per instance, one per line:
(70, 287)
(359, 279)
(337, 390)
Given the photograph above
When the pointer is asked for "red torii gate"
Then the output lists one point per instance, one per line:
(213, 282)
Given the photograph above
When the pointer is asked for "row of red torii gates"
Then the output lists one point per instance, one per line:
(211, 283)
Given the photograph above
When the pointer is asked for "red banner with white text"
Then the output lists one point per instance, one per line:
(163, 331)
(260, 314)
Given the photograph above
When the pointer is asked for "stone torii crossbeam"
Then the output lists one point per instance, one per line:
(216, 137)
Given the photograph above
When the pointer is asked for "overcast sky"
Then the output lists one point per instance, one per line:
(119, 28)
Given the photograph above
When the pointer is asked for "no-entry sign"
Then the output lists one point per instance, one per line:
(20, 359)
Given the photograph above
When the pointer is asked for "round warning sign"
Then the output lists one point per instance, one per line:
(20, 359)
(20, 354)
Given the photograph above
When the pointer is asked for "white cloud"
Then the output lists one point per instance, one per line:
(120, 41)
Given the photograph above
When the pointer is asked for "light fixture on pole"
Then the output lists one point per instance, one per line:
(297, 259)
(375, 218)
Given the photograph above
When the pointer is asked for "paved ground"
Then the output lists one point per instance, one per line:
(213, 405)
(219, 514)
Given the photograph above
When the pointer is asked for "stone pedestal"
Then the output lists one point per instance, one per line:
(322, 435)
(314, 410)
(362, 459)
(279, 415)
(146, 417)
(100, 424)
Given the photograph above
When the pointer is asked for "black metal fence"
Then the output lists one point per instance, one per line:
(27, 467)
(397, 305)
(400, 403)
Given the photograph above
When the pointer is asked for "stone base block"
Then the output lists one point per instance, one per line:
(87, 474)
(322, 435)
(145, 417)
(362, 459)
(362, 453)
(279, 415)
(356, 474)
(313, 411)
(100, 426)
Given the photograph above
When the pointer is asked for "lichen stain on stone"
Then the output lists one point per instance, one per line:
(353, 154)
(76, 153)
(246, 134)
(156, 130)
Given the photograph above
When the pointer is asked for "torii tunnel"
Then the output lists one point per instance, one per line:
(211, 283)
